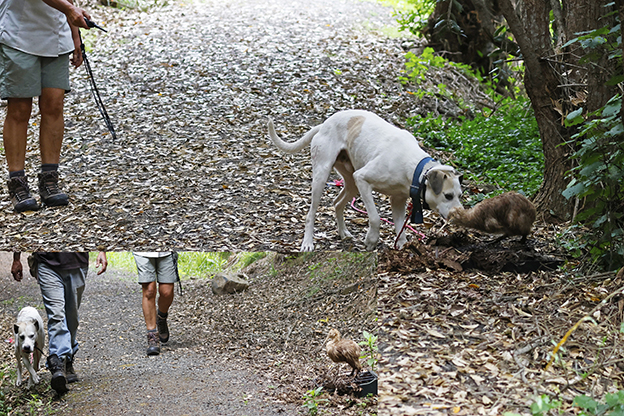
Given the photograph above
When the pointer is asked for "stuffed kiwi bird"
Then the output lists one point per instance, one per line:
(343, 350)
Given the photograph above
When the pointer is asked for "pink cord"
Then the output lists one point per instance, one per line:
(421, 236)
(418, 233)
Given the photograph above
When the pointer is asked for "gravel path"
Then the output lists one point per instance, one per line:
(190, 88)
(251, 353)
(117, 378)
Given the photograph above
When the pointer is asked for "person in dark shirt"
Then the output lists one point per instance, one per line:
(61, 278)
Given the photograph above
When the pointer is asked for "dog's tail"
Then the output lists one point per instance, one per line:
(293, 147)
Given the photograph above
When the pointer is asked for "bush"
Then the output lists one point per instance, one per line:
(598, 181)
(503, 148)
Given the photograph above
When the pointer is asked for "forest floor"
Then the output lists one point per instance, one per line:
(468, 326)
(253, 353)
(189, 88)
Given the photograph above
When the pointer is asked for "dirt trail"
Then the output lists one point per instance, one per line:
(117, 378)
(252, 353)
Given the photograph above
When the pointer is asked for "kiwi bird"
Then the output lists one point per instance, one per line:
(343, 350)
(507, 214)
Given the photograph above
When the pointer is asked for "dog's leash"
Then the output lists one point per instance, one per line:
(94, 89)
(410, 207)
(39, 349)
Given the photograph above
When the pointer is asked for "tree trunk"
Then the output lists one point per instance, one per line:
(553, 81)
(541, 82)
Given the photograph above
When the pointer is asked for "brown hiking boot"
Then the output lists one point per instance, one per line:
(20, 195)
(153, 343)
(49, 191)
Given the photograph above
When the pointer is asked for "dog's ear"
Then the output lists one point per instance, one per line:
(15, 329)
(461, 179)
(36, 324)
(435, 179)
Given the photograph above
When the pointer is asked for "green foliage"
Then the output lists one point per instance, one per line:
(22, 401)
(414, 20)
(503, 148)
(543, 405)
(598, 178)
(246, 258)
(417, 67)
(196, 264)
(311, 401)
(612, 406)
(370, 349)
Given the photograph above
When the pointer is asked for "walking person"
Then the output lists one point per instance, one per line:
(38, 39)
(61, 278)
(158, 272)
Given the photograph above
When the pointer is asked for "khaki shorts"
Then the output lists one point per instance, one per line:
(160, 269)
(23, 75)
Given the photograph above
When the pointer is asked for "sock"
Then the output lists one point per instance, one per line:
(49, 167)
(152, 330)
(163, 314)
(17, 173)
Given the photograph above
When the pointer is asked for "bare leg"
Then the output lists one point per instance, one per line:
(149, 304)
(15, 130)
(52, 124)
(166, 296)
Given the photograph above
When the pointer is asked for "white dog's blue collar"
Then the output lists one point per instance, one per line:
(417, 192)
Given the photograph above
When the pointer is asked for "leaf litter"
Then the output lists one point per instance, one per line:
(470, 341)
(189, 88)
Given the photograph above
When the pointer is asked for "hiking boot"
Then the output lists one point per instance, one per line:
(153, 343)
(70, 374)
(49, 191)
(163, 329)
(56, 366)
(20, 195)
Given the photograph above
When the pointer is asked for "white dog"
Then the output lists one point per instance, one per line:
(29, 339)
(371, 155)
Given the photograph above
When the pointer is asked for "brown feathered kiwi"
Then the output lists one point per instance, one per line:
(507, 214)
(343, 350)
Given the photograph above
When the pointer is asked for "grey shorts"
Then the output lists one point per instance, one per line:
(23, 75)
(159, 269)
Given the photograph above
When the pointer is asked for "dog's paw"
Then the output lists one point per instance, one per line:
(401, 242)
(307, 247)
(18, 383)
(371, 244)
(346, 235)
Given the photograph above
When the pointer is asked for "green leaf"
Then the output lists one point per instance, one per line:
(574, 190)
(585, 402)
(575, 117)
(616, 79)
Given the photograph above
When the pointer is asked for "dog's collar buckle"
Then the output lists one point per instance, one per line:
(417, 192)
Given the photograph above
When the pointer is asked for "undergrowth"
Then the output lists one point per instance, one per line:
(500, 147)
(20, 400)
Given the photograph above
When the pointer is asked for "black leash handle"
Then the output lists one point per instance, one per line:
(94, 89)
